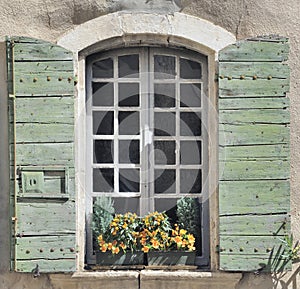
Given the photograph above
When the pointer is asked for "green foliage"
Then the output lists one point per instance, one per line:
(188, 215)
(103, 212)
(291, 250)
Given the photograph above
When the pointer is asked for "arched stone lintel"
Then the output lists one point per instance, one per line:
(177, 29)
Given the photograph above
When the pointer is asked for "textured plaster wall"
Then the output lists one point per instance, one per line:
(49, 19)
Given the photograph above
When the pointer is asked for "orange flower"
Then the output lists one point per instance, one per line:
(115, 250)
(145, 249)
(109, 246)
(103, 248)
(155, 243)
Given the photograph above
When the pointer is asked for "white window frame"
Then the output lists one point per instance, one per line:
(125, 29)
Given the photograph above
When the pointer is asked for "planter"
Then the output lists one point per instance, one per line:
(129, 258)
(160, 258)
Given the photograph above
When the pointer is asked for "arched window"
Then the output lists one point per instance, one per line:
(146, 136)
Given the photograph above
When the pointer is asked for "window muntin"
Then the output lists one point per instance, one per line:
(146, 132)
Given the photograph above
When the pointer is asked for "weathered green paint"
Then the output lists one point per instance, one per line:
(254, 170)
(43, 123)
(254, 225)
(253, 70)
(252, 134)
(44, 133)
(254, 197)
(253, 88)
(259, 51)
(253, 116)
(253, 103)
(47, 153)
(253, 154)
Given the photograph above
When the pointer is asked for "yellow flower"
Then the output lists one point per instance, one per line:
(155, 243)
(115, 250)
(182, 232)
(145, 249)
(103, 248)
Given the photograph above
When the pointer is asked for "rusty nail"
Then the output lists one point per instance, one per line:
(230, 250)
(27, 251)
(35, 79)
(254, 77)
(72, 250)
(269, 249)
(222, 76)
(241, 249)
(242, 77)
(51, 250)
(255, 250)
(269, 77)
(48, 78)
(229, 77)
(61, 249)
(69, 78)
(60, 78)
(21, 80)
(41, 250)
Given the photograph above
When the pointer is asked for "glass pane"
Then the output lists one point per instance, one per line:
(190, 181)
(129, 151)
(164, 95)
(190, 152)
(103, 151)
(103, 180)
(168, 205)
(129, 122)
(129, 66)
(164, 66)
(190, 69)
(103, 94)
(129, 94)
(164, 123)
(190, 124)
(103, 122)
(190, 95)
(103, 68)
(129, 180)
(165, 152)
(165, 181)
(124, 205)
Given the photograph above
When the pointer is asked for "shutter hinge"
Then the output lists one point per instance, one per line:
(12, 96)
(14, 219)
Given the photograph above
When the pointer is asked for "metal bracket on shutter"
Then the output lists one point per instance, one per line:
(43, 182)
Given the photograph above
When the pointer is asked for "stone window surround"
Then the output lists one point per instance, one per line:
(124, 29)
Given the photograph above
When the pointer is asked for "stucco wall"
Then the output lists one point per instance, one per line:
(50, 19)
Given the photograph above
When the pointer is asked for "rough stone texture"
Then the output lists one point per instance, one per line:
(49, 19)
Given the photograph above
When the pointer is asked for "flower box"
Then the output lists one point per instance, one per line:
(162, 258)
(128, 258)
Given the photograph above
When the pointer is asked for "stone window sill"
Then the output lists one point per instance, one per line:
(146, 279)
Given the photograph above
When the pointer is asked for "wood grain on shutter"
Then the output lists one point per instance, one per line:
(253, 154)
(41, 126)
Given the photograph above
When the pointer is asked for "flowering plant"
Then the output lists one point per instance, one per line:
(152, 232)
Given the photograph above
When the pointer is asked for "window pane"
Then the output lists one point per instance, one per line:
(190, 69)
(129, 94)
(103, 68)
(124, 205)
(166, 204)
(190, 95)
(165, 152)
(129, 123)
(129, 151)
(103, 94)
(129, 66)
(164, 123)
(103, 180)
(164, 95)
(190, 181)
(129, 180)
(103, 122)
(164, 66)
(190, 152)
(103, 151)
(165, 181)
(190, 124)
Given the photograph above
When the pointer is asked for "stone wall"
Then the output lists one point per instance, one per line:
(50, 19)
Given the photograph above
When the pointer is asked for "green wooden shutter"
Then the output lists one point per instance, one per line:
(254, 154)
(41, 127)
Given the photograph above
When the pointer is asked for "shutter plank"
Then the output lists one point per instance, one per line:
(47, 266)
(269, 199)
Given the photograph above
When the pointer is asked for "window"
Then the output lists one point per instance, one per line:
(147, 143)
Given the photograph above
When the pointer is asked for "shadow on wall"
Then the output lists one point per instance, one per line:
(87, 11)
